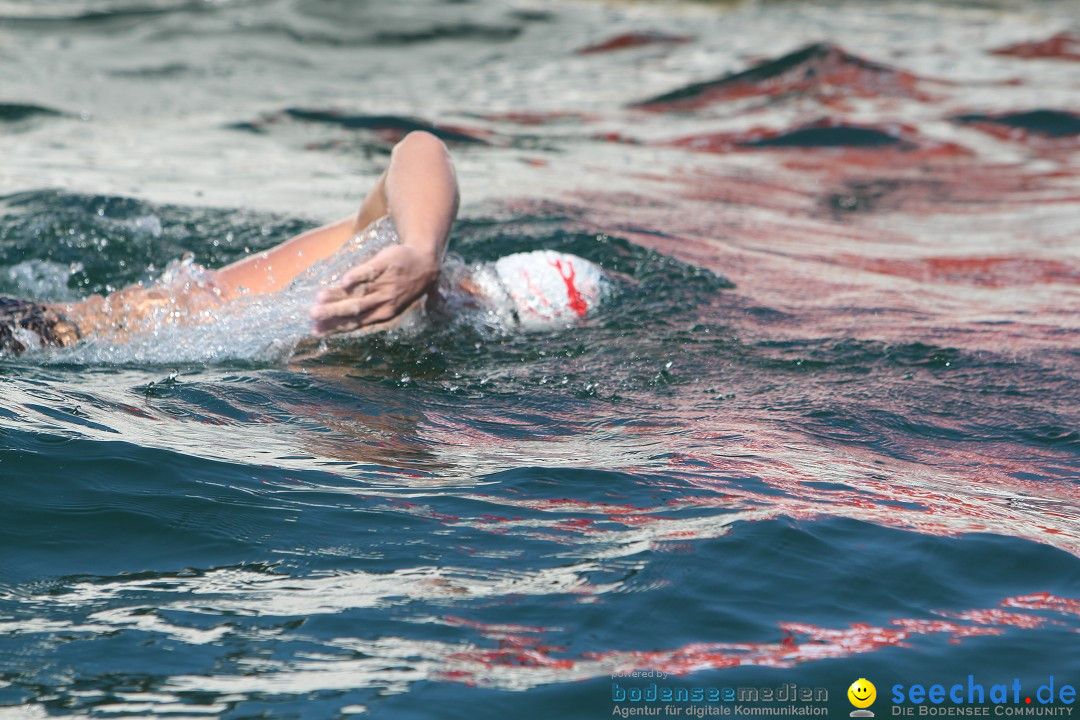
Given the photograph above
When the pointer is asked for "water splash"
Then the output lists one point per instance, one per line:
(193, 324)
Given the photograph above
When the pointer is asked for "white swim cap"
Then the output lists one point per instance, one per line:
(551, 289)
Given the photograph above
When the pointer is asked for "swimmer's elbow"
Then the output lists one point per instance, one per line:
(421, 142)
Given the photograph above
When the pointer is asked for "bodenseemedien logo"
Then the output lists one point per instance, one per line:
(862, 694)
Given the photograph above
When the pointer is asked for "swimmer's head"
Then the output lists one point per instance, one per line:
(551, 289)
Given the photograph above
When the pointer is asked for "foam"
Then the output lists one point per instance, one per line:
(261, 328)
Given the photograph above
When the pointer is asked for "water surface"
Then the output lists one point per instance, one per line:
(826, 428)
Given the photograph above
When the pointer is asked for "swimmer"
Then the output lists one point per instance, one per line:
(406, 217)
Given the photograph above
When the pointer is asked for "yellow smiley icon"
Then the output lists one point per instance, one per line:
(862, 693)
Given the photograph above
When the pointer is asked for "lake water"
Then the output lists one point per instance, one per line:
(825, 429)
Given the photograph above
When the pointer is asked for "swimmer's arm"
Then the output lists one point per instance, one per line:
(419, 190)
(273, 269)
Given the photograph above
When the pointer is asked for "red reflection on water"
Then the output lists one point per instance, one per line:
(822, 71)
(992, 272)
(539, 117)
(861, 144)
(633, 40)
(521, 647)
(1063, 46)
(1044, 601)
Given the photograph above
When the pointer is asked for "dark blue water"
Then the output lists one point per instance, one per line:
(825, 429)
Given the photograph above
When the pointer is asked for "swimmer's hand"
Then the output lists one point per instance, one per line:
(374, 292)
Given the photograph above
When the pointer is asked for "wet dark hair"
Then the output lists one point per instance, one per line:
(52, 328)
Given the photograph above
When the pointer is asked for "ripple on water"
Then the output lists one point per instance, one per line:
(857, 460)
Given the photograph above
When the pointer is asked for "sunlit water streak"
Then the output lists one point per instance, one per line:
(825, 428)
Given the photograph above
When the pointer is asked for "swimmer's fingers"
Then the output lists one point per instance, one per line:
(375, 292)
(364, 274)
(331, 295)
(350, 304)
(351, 313)
(356, 282)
